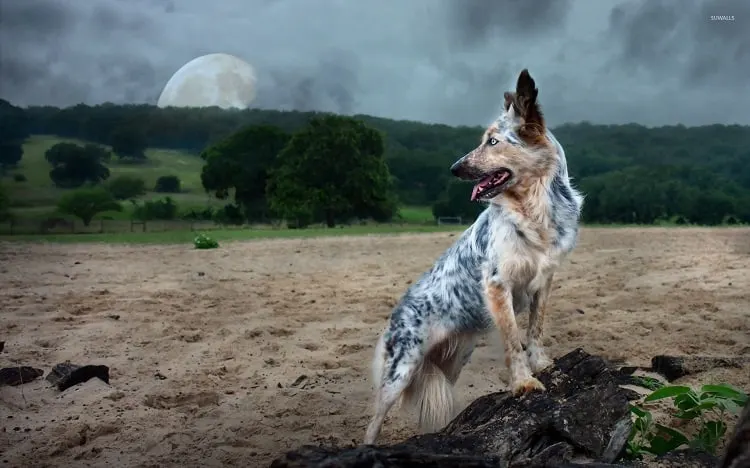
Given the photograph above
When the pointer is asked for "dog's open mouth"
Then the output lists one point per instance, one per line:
(491, 185)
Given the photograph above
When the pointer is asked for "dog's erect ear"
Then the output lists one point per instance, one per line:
(533, 120)
(509, 99)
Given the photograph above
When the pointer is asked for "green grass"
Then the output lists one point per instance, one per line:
(37, 197)
(186, 236)
(416, 214)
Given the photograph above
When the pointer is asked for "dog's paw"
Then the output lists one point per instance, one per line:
(526, 385)
(539, 361)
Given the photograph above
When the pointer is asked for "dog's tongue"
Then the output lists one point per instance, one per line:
(481, 186)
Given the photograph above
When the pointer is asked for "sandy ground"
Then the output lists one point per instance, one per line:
(207, 344)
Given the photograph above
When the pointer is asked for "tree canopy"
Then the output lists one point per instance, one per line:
(241, 163)
(74, 165)
(13, 131)
(85, 203)
(332, 169)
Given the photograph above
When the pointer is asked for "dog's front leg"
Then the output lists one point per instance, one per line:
(500, 302)
(538, 359)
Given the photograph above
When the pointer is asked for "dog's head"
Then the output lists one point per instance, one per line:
(514, 151)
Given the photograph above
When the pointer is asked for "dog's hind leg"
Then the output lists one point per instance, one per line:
(538, 359)
(393, 369)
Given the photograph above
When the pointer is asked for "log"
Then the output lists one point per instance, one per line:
(581, 420)
(19, 375)
(737, 454)
(584, 414)
(674, 367)
(66, 375)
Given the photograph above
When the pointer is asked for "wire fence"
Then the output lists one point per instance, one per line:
(102, 226)
(59, 225)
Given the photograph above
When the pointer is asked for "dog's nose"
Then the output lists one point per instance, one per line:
(457, 168)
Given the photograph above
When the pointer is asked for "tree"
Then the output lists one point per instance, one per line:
(167, 184)
(242, 163)
(13, 132)
(456, 201)
(129, 142)
(125, 187)
(333, 169)
(165, 209)
(74, 165)
(87, 202)
(4, 204)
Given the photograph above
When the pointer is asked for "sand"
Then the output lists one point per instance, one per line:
(205, 347)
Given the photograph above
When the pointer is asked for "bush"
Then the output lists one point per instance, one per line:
(202, 241)
(206, 214)
(229, 214)
(164, 209)
(167, 184)
(126, 187)
(19, 177)
(708, 406)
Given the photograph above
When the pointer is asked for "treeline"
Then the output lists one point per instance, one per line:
(629, 173)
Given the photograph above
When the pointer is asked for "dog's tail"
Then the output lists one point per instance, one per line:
(431, 391)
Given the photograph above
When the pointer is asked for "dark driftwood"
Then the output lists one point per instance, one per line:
(66, 375)
(582, 420)
(19, 375)
(583, 413)
(737, 454)
(674, 367)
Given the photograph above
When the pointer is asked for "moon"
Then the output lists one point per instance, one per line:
(221, 80)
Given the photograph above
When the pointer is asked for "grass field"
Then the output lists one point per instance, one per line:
(182, 236)
(36, 197)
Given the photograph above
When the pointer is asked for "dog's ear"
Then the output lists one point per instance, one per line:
(533, 129)
(509, 99)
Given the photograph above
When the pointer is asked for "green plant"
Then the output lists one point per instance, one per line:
(709, 406)
(203, 241)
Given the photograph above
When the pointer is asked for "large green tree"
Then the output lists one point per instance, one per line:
(241, 163)
(74, 165)
(13, 131)
(456, 202)
(129, 143)
(87, 202)
(333, 169)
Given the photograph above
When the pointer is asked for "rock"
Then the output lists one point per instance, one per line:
(66, 375)
(19, 375)
(674, 367)
(737, 453)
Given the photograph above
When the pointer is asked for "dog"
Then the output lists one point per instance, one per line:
(501, 265)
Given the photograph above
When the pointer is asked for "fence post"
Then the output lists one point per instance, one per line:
(101, 226)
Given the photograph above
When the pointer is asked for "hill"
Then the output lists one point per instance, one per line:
(629, 173)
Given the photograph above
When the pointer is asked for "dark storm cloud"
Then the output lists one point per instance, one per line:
(447, 61)
(667, 37)
(476, 21)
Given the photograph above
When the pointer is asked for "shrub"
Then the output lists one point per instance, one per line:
(167, 184)
(126, 187)
(206, 214)
(164, 209)
(708, 406)
(203, 241)
(19, 177)
(229, 214)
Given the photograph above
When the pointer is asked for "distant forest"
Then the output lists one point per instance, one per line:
(628, 173)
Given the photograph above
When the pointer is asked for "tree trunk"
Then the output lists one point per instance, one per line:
(330, 220)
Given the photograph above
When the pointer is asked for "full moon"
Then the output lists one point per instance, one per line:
(221, 80)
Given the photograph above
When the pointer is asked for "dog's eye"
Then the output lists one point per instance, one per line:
(492, 141)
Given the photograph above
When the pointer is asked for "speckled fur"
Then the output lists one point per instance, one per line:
(500, 266)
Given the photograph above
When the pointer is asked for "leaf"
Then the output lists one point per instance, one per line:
(726, 391)
(666, 440)
(667, 392)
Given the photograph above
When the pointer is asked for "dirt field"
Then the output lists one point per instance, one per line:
(205, 346)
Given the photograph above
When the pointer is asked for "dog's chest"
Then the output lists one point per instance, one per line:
(522, 261)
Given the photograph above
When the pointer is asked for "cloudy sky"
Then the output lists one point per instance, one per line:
(607, 61)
